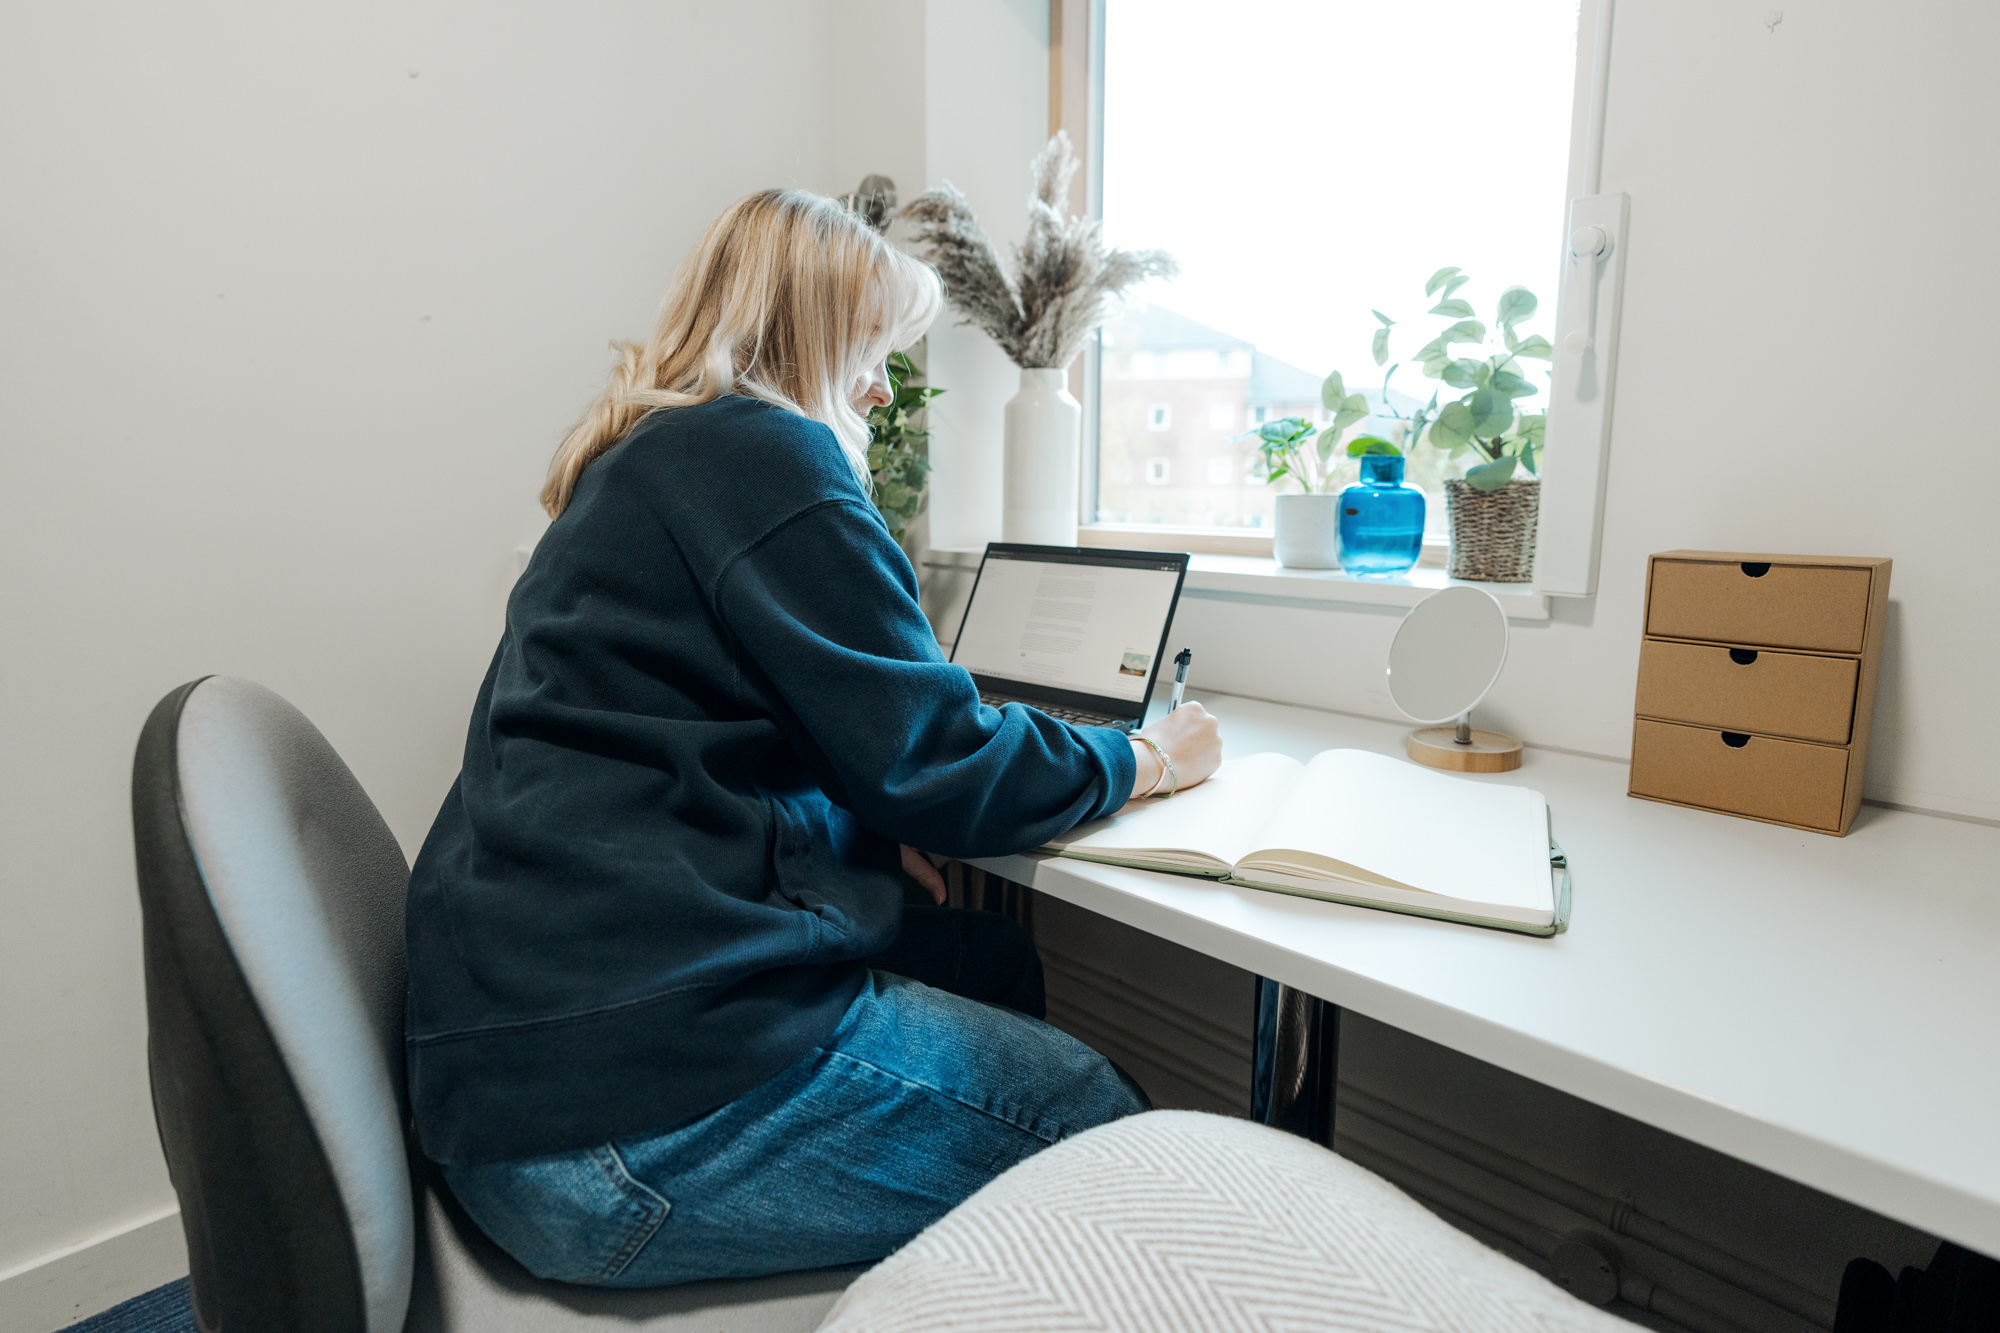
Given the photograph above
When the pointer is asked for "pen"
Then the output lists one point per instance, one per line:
(1181, 660)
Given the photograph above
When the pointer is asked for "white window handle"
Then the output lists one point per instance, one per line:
(1587, 246)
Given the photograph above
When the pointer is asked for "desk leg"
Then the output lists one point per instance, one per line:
(1295, 1062)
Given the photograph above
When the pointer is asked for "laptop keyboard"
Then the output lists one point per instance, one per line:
(1072, 715)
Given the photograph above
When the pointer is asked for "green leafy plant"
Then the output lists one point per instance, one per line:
(899, 447)
(1286, 448)
(1293, 447)
(1485, 419)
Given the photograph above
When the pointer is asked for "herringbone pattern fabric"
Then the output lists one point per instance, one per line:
(1175, 1222)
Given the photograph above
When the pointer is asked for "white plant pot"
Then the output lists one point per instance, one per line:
(1044, 428)
(1308, 531)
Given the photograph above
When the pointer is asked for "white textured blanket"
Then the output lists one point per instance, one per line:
(1174, 1222)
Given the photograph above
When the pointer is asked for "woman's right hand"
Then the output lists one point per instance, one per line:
(1191, 738)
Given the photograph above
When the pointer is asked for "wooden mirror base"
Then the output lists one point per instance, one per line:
(1490, 751)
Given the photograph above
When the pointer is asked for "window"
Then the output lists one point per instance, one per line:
(1351, 214)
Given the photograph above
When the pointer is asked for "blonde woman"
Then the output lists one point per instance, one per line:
(669, 1016)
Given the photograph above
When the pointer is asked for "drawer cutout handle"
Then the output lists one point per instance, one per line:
(1756, 569)
(1743, 656)
(1736, 740)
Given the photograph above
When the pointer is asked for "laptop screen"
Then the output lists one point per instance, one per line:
(1072, 625)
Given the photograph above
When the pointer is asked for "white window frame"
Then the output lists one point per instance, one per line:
(1573, 471)
(1160, 416)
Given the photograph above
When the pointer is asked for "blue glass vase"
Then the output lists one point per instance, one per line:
(1381, 520)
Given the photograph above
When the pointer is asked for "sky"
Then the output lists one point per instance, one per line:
(1306, 162)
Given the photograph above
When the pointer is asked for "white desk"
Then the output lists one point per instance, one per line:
(1825, 1008)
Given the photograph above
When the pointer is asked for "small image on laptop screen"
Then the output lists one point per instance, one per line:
(1086, 625)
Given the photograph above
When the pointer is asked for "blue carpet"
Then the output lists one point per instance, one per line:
(161, 1310)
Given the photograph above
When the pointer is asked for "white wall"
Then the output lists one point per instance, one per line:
(1806, 293)
(877, 119)
(986, 113)
(294, 304)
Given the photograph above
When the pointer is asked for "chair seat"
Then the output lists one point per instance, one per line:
(1175, 1222)
(465, 1282)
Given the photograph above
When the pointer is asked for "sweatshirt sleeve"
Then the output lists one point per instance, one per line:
(825, 608)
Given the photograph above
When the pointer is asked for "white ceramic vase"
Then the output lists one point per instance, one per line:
(1308, 531)
(1040, 457)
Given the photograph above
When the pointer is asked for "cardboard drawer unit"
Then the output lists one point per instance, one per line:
(1757, 684)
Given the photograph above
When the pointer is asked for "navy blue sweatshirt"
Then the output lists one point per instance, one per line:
(715, 711)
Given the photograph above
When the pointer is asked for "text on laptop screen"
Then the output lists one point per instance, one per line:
(1093, 628)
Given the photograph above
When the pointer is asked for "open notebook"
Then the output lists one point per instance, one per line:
(1351, 826)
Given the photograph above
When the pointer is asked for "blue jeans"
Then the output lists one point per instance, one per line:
(918, 1098)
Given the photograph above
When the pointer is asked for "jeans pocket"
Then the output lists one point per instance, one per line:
(574, 1217)
(645, 1209)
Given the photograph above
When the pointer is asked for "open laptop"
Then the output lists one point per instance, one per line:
(1077, 632)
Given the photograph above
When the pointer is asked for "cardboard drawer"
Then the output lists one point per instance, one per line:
(1789, 782)
(1748, 689)
(1822, 607)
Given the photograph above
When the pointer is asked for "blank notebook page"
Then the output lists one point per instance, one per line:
(1219, 819)
(1477, 842)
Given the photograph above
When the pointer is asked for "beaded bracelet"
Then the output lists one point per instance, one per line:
(1166, 768)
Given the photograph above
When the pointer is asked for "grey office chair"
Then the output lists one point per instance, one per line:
(272, 895)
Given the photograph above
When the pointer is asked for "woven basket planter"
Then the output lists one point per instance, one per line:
(1493, 532)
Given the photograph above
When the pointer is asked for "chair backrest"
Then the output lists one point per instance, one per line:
(272, 895)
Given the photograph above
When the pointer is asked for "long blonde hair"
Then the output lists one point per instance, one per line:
(789, 298)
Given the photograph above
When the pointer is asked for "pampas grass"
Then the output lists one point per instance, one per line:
(1066, 282)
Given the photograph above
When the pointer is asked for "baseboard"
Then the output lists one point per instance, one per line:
(56, 1290)
(1919, 802)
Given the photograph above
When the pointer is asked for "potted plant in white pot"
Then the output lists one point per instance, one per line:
(1307, 532)
(1063, 287)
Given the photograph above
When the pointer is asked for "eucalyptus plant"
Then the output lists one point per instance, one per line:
(1485, 419)
(899, 447)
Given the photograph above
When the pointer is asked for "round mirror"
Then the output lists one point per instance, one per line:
(1448, 653)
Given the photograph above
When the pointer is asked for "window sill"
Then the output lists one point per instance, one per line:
(1157, 537)
(1263, 581)
(1231, 578)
